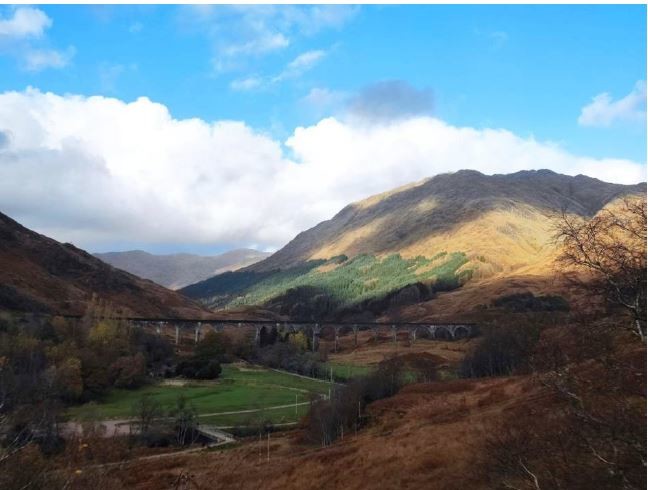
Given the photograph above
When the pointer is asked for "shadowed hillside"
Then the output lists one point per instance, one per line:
(40, 274)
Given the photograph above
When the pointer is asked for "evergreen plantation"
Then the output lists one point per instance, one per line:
(343, 282)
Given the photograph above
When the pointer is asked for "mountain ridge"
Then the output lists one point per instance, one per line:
(464, 189)
(178, 270)
(501, 225)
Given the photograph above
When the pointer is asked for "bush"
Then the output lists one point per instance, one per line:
(211, 370)
(289, 357)
(528, 302)
(198, 369)
(502, 351)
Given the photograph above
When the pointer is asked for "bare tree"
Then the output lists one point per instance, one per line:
(185, 421)
(146, 411)
(611, 249)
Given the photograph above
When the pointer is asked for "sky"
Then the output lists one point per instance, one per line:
(205, 128)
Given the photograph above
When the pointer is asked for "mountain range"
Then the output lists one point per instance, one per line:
(406, 245)
(175, 271)
(39, 274)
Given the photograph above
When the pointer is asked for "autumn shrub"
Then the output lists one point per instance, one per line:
(327, 419)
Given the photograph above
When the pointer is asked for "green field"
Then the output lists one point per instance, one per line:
(238, 389)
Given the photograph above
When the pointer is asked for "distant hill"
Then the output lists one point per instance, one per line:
(405, 245)
(178, 270)
(39, 274)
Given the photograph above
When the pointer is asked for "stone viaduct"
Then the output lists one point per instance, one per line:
(314, 329)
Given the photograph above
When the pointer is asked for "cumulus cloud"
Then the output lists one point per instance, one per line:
(24, 22)
(390, 99)
(604, 111)
(22, 36)
(96, 170)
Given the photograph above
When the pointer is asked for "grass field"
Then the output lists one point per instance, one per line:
(237, 389)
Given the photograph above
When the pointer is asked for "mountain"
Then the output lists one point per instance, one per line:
(406, 245)
(39, 274)
(175, 271)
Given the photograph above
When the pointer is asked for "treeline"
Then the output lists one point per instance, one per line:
(48, 364)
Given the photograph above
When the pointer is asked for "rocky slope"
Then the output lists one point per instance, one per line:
(39, 274)
(505, 218)
(175, 271)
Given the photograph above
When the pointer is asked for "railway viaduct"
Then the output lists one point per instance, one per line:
(314, 329)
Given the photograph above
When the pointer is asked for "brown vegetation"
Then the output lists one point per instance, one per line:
(38, 274)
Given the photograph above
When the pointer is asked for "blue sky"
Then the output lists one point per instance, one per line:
(530, 70)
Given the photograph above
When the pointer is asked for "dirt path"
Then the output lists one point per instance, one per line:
(119, 427)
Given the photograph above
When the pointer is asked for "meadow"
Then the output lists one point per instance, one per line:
(238, 389)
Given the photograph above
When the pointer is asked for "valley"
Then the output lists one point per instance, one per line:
(439, 353)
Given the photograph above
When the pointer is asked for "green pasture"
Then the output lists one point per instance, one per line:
(237, 389)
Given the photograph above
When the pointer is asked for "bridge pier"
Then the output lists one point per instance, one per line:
(197, 332)
(412, 336)
(337, 337)
(158, 328)
(177, 335)
(316, 331)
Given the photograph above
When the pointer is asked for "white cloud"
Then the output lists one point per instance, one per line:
(24, 22)
(239, 32)
(321, 100)
(22, 36)
(603, 111)
(300, 65)
(39, 59)
(97, 170)
(294, 69)
(249, 83)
